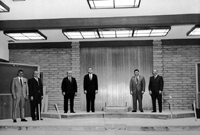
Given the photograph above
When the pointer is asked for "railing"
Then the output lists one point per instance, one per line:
(56, 106)
(194, 106)
(170, 102)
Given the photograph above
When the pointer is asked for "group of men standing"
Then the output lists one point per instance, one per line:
(90, 86)
(69, 90)
(137, 89)
(23, 89)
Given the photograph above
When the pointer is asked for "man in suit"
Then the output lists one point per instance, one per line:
(155, 90)
(36, 95)
(137, 89)
(69, 91)
(20, 91)
(90, 86)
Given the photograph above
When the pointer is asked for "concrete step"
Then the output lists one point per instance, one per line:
(98, 128)
(118, 114)
(116, 109)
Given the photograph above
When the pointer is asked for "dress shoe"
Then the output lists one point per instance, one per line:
(153, 111)
(73, 112)
(23, 120)
(40, 119)
(134, 111)
(33, 119)
(14, 120)
(141, 111)
(65, 112)
(160, 111)
(93, 111)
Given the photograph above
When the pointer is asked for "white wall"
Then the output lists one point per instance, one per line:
(4, 52)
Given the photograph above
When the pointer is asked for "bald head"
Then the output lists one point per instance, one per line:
(69, 73)
(90, 70)
(155, 72)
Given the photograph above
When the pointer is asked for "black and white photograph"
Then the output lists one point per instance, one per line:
(93, 67)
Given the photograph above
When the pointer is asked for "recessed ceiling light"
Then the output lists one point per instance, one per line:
(129, 32)
(115, 32)
(18, 0)
(103, 4)
(151, 32)
(4, 7)
(195, 31)
(25, 35)
(81, 34)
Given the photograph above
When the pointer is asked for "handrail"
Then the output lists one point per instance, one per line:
(56, 106)
(195, 114)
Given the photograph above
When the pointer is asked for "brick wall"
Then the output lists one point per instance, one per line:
(75, 60)
(179, 73)
(54, 63)
(158, 56)
(176, 63)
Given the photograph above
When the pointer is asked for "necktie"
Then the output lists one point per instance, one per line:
(90, 76)
(37, 81)
(70, 79)
(137, 79)
(21, 81)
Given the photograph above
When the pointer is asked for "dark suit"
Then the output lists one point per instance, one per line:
(90, 86)
(35, 91)
(136, 88)
(156, 85)
(70, 88)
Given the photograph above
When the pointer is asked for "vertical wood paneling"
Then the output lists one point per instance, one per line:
(114, 68)
(6, 107)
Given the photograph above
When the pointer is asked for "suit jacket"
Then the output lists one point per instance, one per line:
(35, 88)
(156, 85)
(137, 86)
(17, 89)
(90, 85)
(69, 87)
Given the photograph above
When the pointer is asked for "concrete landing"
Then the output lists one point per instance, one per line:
(115, 109)
(103, 122)
(145, 114)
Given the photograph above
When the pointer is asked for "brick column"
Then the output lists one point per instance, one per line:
(75, 60)
(158, 56)
(159, 65)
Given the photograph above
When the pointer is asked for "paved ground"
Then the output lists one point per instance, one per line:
(95, 133)
(102, 126)
(104, 121)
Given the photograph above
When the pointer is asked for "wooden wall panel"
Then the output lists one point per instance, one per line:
(114, 68)
(6, 107)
